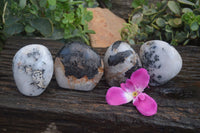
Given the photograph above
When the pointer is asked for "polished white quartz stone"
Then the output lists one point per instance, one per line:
(162, 61)
(32, 69)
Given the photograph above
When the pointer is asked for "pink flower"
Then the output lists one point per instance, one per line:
(132, 91)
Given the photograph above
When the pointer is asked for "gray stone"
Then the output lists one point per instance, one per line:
(120, 62)
(162, 61)
(78, 67)
(32, 69)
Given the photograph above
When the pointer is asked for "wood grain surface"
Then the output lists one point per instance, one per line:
(61, 111)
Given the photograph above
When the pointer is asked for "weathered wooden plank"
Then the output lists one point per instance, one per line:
(76, 111)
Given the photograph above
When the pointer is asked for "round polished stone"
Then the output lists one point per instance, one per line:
(120, 62)
(162, 61)
(32, 69)
(78, 67)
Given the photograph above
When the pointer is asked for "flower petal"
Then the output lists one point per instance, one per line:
(128, 86)
(140, 79)
(145, 104)
(123, 86)
(117, 96)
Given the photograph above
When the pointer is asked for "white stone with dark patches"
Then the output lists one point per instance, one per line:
(32, 69)
(78, 67)
(120, 62)
(162, 61)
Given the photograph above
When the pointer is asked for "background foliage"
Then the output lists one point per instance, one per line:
(55, 19)
(176, 22)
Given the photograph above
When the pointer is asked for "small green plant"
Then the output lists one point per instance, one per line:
(56, 19)
(137, 3)
(176, 22)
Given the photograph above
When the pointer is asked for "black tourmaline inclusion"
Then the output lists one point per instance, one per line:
(79, 60)
(119, 57)
(116, 45)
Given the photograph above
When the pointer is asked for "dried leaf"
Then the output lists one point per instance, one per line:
(137, 18)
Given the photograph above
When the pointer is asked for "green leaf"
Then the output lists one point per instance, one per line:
(13, 29)
(194, 26)
(193, 35)
(34, 10)
(160, 22)
(197, 19)
(174, 23)
(168, 29)
(68, 18)
(142, 36)
(168, 36)
(177, 22)
(185, 10)
(22, 3)
(158, 35)
(93, 4)
(188, 17)
(186, 42)
(35, 3)
(52, 2)
(62, 0)
(57, 34)
(174, 7)
(197, 3)
(149, 29)
(83, 15)
(76, 2)
(137, 3)
(9, 20)
(180, 36)
(88, 16)
(161, 4)
(52, 7)
(174, 42)
(186, 2)
(149, 12)
(29, 29)
(197, 11)
(57, 16)
(132, 42)
(43, 25)
(90, 32)
(43, 3)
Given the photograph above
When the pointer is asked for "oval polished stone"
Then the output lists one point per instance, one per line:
(120, 62)
(78, 67)
(162, 61)
(32, 69)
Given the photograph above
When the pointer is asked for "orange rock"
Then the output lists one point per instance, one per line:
(107, 27)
